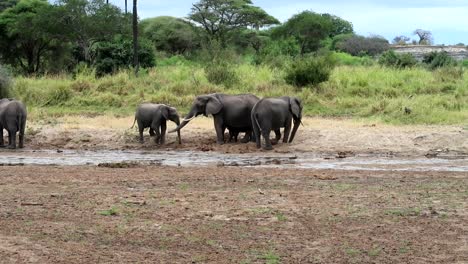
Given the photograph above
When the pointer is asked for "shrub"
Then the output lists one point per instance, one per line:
(361, 46)
(392, 59)
(221, 73)
(310, 70)
(5, 82)
(438, 59)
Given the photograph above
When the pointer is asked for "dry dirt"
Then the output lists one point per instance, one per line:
(156, 214)
(317, 135)
(150, 214)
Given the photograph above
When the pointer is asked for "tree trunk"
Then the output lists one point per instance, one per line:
(135, 38)
(125, 6)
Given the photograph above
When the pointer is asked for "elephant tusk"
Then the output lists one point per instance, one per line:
(185, 119)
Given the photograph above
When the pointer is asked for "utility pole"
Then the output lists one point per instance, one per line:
(136, 64)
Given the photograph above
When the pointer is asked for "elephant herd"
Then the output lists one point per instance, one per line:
(237, 113)
(244, 113)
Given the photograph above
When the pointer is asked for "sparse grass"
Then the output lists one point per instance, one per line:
(434, 97)
(110, 212)
(404, 212)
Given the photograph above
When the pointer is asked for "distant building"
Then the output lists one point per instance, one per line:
(418, 51)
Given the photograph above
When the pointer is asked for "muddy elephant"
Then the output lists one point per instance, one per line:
(228, 111)
(155, 117)
(272, 114)
(13, 119)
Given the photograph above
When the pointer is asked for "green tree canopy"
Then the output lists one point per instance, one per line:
(4, 4)
(27, 33)
(219, 17)
(170, 34)
(308, 28)
(339, 25)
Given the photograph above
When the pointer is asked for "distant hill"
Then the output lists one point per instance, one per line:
(418, 51)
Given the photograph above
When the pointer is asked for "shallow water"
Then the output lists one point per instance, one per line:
(198, 158)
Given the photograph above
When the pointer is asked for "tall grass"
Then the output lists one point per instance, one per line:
(434, 97)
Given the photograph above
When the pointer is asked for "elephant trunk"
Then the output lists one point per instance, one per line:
(297, 122)
(185, 121)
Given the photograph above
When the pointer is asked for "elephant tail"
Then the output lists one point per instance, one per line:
(134, 121)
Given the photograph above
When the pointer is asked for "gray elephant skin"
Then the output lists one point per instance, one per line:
(12, 118)
(272, 114)
(155, 117)
(228, 111)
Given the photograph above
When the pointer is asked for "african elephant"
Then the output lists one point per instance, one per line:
(272, 114)
(229, 111)
(155, 116)
(13, 119)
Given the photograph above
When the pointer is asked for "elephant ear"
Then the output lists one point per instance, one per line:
(165, 112)
(295, 107)
(213, 106)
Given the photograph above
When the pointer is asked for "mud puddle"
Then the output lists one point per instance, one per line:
(199, 158)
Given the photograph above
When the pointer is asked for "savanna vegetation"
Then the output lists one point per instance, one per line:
(81, 62)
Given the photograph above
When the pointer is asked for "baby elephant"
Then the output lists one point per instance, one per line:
(13, 119)
(155, 116)
(272, 114)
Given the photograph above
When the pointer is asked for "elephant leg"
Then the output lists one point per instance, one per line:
(2, 143)
(140, 131)
(163, 132)
(156, 128)
(218, 123)
(266, 136)
(11, 139)
(246, 137)
(151, 131)
(21, 134)
(287, 130)
(277, 137)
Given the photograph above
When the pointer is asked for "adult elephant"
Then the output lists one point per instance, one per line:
(155, 117)
(228, 111)
(13, 119)
(272, 114)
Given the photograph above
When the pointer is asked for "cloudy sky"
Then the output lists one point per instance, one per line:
(446, 19)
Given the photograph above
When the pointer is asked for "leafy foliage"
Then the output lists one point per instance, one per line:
(221, 73)
(310, 70)
(117, 54)
(308, 28)
(438, 59)
(391, 59)
(5, 82)
(170, 34)
(219, 17)
(4, 4)
(360, 46)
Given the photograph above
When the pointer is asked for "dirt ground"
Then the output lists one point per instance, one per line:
(157, 214)
(151, 214)
(317, 135)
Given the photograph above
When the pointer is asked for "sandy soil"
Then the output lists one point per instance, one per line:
(150, 214)
(317, 135)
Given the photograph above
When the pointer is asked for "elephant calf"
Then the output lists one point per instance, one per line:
(155, 116)
(13, 119)
(272, 114)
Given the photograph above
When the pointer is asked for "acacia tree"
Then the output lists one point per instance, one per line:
(220, 17)
(339, 25)
(425, 36)
(27, 33)
(400, 40)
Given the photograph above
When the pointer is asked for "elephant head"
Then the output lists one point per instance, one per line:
(170, 113)
(295, 107)
(202, 105)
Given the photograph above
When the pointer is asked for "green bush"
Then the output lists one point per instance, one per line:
(464, 63)
(221, 73)
(5, 82)
(310, 70)
(343, 58)
(391, 59)
(436, 60)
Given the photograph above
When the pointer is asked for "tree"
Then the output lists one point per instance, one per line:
(359, 45)
(136, 65)
(170, 34)
(219, 17)
(89, 22)
(4, 4)
(308, 28)
(27, 33)
(339, 25)
(401, 40)
(425, 36)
